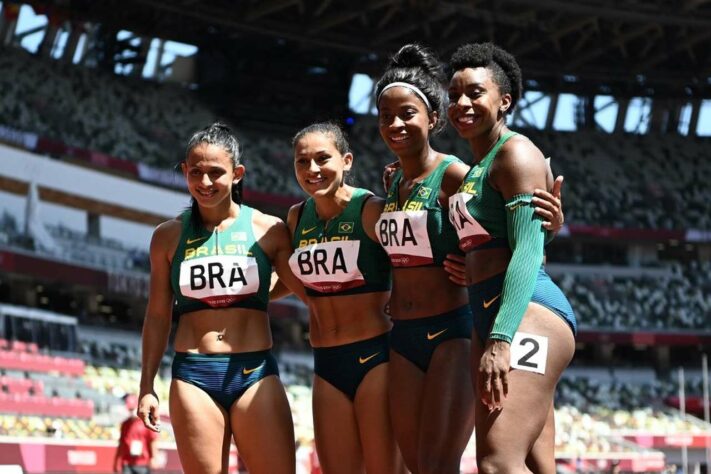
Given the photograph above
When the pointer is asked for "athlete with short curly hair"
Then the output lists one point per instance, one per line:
(524, 326)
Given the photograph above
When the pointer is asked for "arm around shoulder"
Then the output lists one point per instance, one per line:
(372, 210)
(275, 240)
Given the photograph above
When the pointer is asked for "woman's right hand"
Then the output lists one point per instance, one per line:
(493, 374)
(455, 266)
(148, 410)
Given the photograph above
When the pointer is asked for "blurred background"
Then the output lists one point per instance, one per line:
(98, 98)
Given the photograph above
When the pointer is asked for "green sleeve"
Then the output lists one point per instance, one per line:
(526, 238)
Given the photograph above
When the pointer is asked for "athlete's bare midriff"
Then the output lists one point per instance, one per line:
(221, 331)
(484, 264)
(338, 320)
(420, 292)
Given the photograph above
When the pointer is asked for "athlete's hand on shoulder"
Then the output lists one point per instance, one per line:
(454, 265)
(148, 410)
(388, 173)
(492, 380)
(549, 205)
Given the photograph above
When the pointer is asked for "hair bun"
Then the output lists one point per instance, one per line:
(417, 56)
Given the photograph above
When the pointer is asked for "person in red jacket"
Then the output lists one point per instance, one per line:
(138, 446)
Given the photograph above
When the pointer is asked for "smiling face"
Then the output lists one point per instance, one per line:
(404, 121)
(210, 174)
(475, 102)
(320, 168)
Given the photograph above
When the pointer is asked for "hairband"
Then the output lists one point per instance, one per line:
(407, 86)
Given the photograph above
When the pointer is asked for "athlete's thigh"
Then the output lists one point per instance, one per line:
(201, 429)
(541, 458)
(447, 416)
(336, 430)
(404, 397)
(512, 432)
(263, 428)
(373, 414)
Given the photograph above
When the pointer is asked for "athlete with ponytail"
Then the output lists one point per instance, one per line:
(212, 265)
(523, 325)
(347, 278)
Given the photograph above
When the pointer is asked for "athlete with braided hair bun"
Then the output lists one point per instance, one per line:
(524, 326)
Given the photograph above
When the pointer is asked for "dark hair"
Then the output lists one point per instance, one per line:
(326, 128)
(503, 66)
(331, 129)
(418, 66)
(221, 135)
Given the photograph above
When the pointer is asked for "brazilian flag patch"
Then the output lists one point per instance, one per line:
(345, 228)
(424, 192)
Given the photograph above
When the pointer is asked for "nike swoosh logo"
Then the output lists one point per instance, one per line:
(192, 241)
(306, 231)
(363, 360)
(247, 371)
(491, 301)
(517, 205)
(437, 334)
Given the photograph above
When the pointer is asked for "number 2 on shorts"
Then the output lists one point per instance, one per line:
(529, 352)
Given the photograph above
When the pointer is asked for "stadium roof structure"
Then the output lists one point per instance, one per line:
(619, 47)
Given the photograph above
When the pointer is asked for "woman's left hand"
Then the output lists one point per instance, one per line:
(492, 380)
(549, 205)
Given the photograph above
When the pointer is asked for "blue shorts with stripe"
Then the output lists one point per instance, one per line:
(225, 377)
(485, 300)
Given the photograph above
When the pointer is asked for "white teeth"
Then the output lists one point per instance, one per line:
(466, 119)
(399, 138)
(315, 181)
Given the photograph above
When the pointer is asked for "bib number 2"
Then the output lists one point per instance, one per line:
(529, 352)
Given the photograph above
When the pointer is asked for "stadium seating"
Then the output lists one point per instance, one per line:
(145, 121)
(679, 301)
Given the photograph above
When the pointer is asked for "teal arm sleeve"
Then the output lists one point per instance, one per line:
(526, 238)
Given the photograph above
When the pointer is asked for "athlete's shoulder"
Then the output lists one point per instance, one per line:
(169, 228)
(264, 221)
(520, 153)
(166, 235)
(374, 205)
(520, 166)
(454, 175)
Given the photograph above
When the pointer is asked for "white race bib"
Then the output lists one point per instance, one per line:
(328, 266)
(471, 234)
(529, 352)
(403, 235)
(219, 280)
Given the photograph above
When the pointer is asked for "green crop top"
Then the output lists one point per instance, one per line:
(337, 257)
(418, 233)
(482, 216)
(220, 269)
